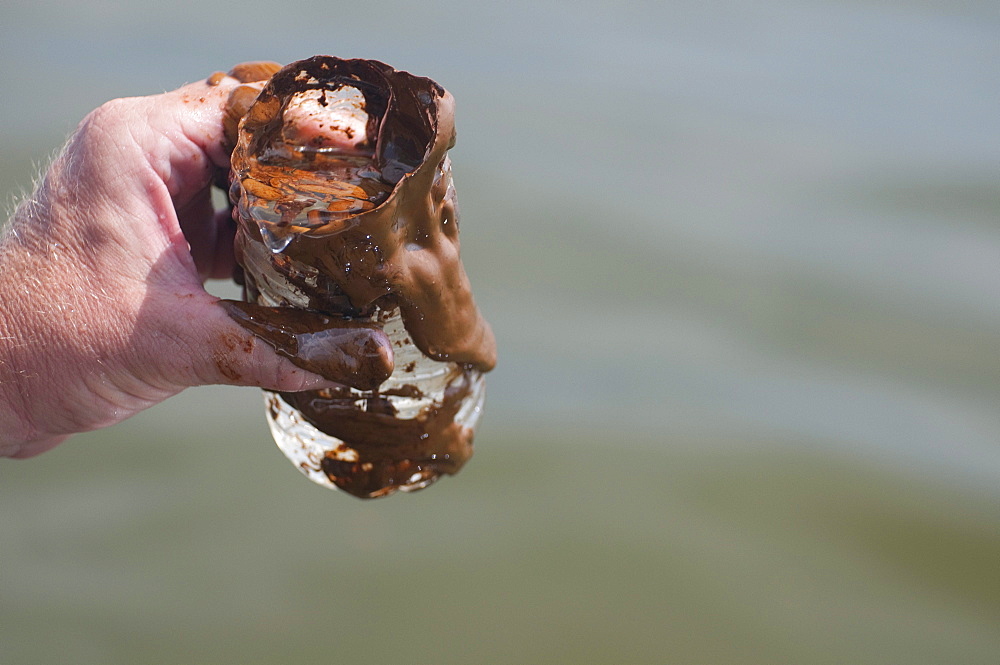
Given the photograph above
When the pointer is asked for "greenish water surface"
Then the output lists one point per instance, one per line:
(743, 266)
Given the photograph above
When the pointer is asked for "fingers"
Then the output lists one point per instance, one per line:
(209, 111)
(197, 110)
(33, 448)
(253, 76)
(191, 160)
(256, 70)
(237, 104)
(281, 349)
(221, 263)
(241, 343)
(343, 351)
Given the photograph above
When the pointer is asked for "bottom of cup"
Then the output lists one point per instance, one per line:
(329, 461)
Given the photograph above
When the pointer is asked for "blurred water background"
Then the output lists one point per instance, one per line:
(743, 262)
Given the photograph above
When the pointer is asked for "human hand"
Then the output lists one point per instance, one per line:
(103, 311)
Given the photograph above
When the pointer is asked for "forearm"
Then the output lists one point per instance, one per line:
(58, 337)
(19, 375)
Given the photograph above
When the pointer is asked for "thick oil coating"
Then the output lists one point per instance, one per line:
(405, 251)
(353, 234)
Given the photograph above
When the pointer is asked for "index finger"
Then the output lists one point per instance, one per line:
(208, 111)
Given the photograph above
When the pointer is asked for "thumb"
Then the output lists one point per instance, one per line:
(347, 352)
(283, 349)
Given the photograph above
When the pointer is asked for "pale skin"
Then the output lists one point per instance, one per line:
(103, 312)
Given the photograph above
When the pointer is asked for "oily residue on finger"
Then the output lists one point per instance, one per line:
(339, 350)
(223, 356)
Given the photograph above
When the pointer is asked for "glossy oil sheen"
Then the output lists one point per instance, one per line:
(370, 234)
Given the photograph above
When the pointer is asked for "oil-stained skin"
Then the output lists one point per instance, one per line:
(252, 75)
(348, 352)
